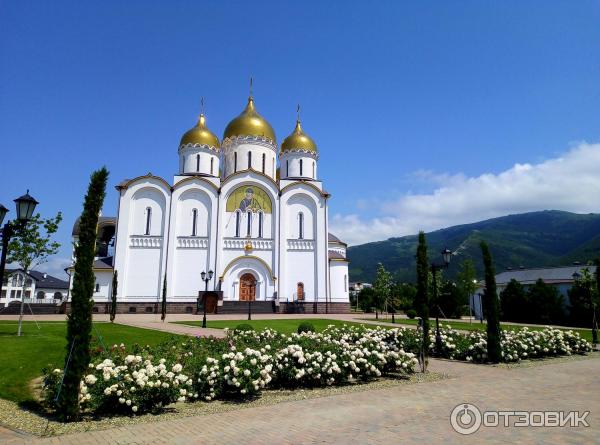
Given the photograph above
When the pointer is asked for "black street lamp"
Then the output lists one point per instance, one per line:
(576, 276)
(206, 280)
(25, 205)
(446, 256)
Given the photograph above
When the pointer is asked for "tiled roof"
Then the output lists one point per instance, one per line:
(548, 274)
(336, 256)
(103, 263)
(43, 280)
(334, 239)
(101, 221)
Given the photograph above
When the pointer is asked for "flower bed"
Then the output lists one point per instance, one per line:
(246, 362)
(240, 365)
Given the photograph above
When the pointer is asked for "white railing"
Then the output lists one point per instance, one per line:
(300, 244)
(192, 242)
(146, 241)
(240, 243)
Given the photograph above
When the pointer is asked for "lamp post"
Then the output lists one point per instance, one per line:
(206, 279)
(577, 276)
(25, 205)
(446, 256)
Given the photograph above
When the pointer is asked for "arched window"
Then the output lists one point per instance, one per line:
(300, 225)
(301, 167)
(300, 291)
(264, 162)
(345, 283)
(273, 167)
(212, 165)
(287, 168)
(148, 219)
(41, 295)
(194, 221)
(58, 296)
(249, 228)
(235, 162)
(237, 223)
(260, 224)
(314, 177)
(197, 163)
(249, 160)
(97, 288)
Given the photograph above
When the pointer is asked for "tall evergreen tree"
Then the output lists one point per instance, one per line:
(113, 299)
(422, 297)
(492, 306)
(163, 306)
(79, 323)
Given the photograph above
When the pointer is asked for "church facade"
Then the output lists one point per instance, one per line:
(251, 211)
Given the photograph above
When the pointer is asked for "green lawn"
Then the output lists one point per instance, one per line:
(22, 358)
(476, 325)
(283, 325)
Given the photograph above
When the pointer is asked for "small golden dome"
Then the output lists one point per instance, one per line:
(200, 135)
(250, 123)
(298, 140)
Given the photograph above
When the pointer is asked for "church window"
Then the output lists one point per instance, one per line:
(97, 288)
(273, 167)
(300, 225)
(313, 170)
(194, 221)
(235, 162)
(237, 223)
(148, 219)
(249, 228)
(301, 168)
(264, 162)
(249, 160)
(41, 295)
(197, 163)
(260, 224)
(212, 165)
(287, 168)
(345, 283)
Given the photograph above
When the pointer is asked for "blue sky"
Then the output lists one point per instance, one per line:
(416, 107)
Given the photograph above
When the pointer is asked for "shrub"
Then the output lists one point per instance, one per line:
(244, 327)
(411, 313)
(305, 326)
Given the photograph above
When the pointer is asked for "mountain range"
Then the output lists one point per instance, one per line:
(534, 239)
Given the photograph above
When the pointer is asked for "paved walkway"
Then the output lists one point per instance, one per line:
(417, 413)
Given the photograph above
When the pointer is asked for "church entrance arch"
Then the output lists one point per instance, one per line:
(247, 287)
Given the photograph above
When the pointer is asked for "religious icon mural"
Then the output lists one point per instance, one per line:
(249, 198)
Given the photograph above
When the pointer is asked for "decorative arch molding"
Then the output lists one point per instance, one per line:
(255, 140)
(308, 153)
(247, 257)
(309, 184)
(130, 182)
(232, 176)
(194, 178)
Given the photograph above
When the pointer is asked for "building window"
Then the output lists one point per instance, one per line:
(197, 163)
(149, 309)
(264, 163)
(314, 177)
(260, 224)
(132, 309)
(212, 165)
(235, 162)
(287, 168)
(301, 163)
(58, 296)
(237, 223)
(300, 225)
(148, 219)
(249, 160)
(97, 288)
(249, 228)
(194, 221)
(273, 167)
(345, 283)
(41, 295)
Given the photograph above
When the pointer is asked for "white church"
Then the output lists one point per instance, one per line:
(251, 211)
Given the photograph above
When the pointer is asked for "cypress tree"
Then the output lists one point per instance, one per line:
(113, 300)
(422, 298)
(163, 308)
(492, 306)
(79, 323)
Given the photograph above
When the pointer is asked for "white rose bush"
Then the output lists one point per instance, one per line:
(147, 379)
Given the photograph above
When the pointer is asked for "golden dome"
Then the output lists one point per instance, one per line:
(200, 135)
(250, 123)
(298, 140)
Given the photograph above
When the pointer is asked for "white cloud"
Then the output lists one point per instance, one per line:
(570, 182)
